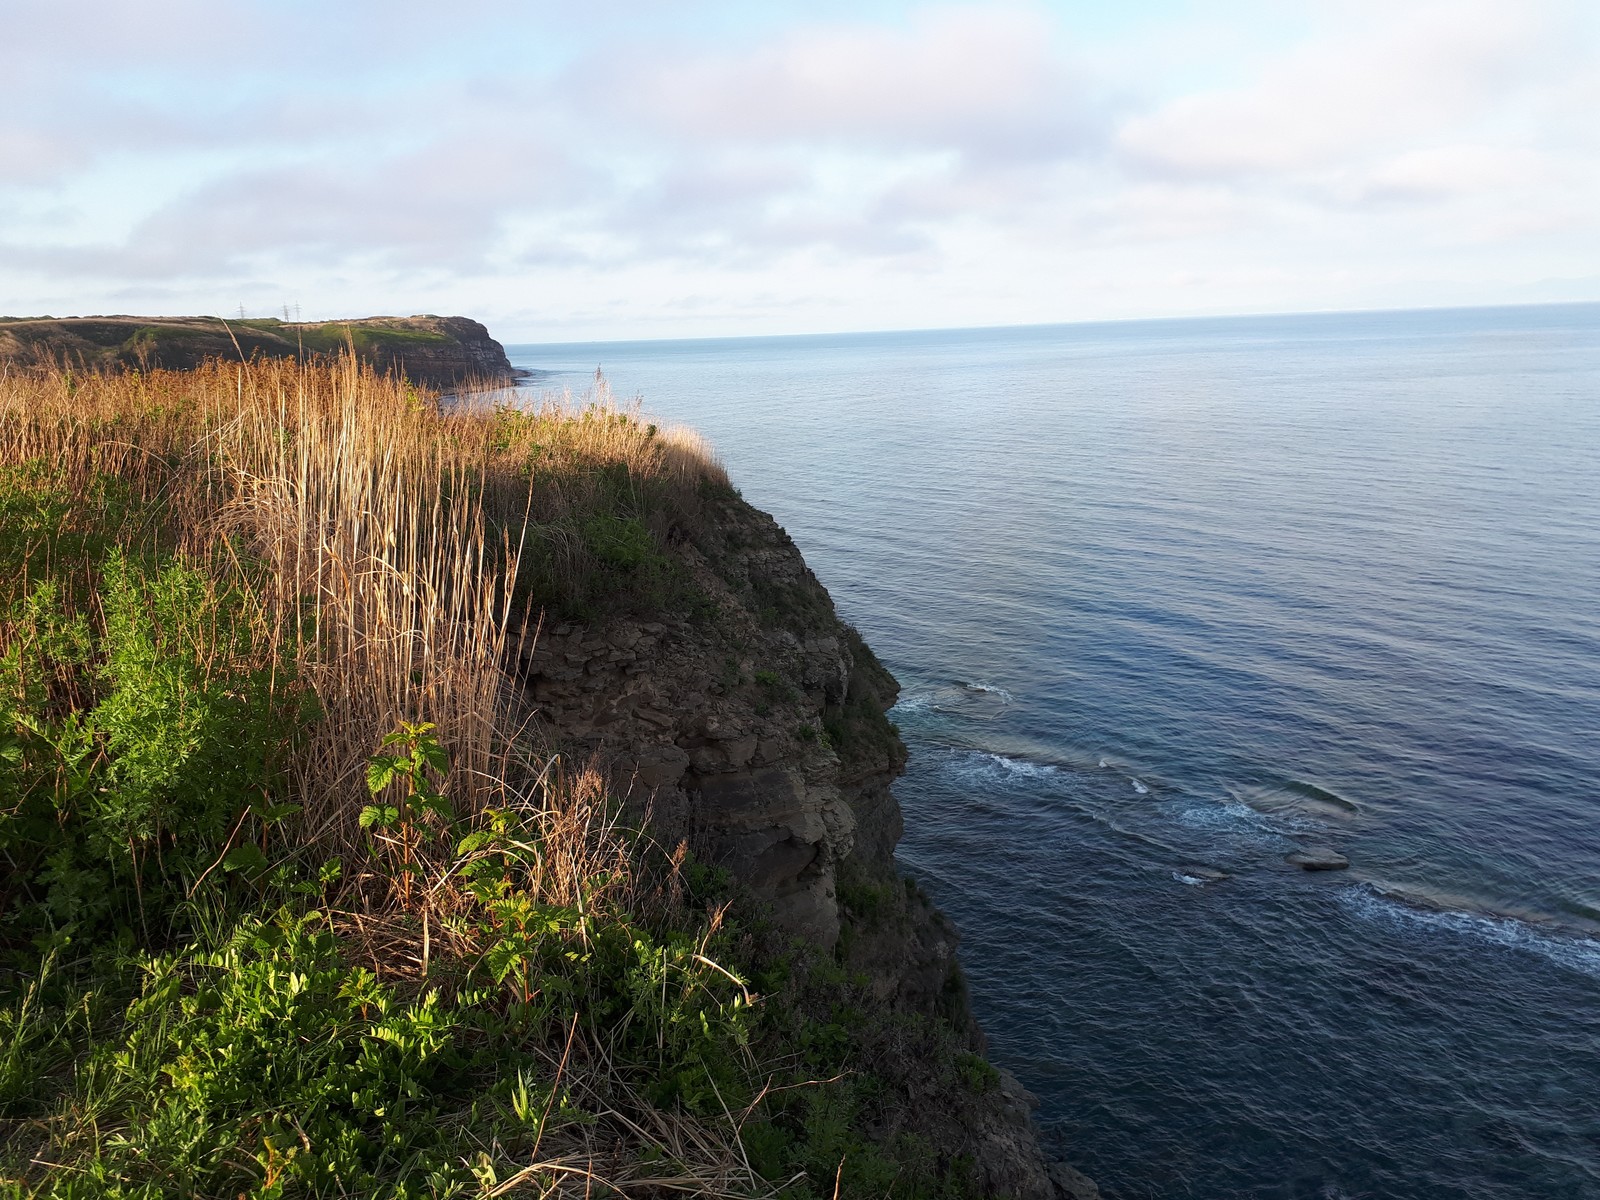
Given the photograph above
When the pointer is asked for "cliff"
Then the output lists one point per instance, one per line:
(314, 904)
(440, 352)
(754, 724)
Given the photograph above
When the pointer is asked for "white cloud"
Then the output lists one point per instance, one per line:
(1405, 73)
(912, 164)
(989, 81)
(1437, 172)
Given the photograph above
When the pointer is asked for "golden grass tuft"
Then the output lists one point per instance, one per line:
(378, 535)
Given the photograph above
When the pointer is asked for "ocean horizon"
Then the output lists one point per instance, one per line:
(1190, 323)
(1171, 600)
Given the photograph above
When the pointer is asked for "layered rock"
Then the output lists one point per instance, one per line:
(459, 352)
(751, 720)
(759, 735)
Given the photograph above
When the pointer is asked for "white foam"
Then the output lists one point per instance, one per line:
(1188, 880)
(1229, 817)
(981, 768)
(1283, 822)
(1104, 765)
(1140, 788)
(990, 689)
(1574, 953)
(914, 703)
(1021, 766)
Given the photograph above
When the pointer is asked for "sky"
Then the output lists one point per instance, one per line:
(568, 170)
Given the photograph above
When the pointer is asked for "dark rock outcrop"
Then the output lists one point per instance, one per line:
(442, 352)
(1317, 858)
(752, 722)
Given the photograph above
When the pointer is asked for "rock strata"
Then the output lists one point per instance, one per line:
(752, 722)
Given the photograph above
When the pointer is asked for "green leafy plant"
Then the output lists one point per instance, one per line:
(406, 775)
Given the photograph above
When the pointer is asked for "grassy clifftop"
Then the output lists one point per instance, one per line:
(294, 906)
(437, 351)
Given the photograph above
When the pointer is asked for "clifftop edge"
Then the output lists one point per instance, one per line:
(432, 350)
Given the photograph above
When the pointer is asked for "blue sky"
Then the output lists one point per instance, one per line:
(566, 170)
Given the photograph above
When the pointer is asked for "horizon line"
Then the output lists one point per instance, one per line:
(1184, 317)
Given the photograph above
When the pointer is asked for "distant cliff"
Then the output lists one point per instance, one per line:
(437, 351)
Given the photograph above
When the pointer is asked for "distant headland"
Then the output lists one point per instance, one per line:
(432, 350)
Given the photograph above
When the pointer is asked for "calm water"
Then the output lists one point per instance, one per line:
(1172, 599)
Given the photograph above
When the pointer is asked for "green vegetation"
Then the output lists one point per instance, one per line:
(331, 337)
(435, 350)
(328, 338)
(604, 496)
(289, 906)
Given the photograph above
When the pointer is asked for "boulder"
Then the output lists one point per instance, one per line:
(1072, 1184)
(1317, 858)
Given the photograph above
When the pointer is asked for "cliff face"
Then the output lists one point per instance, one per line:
(754, 725)
(440, 352)
(459, 349)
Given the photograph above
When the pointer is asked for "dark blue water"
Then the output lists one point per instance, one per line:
(1173, 599)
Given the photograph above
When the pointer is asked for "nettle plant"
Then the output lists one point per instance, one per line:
(405, 796)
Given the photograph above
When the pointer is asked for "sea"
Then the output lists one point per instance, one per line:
(1169, 601)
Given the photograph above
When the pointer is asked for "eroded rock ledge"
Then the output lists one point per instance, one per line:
(752, 720)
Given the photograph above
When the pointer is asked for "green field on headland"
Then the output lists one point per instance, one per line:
(439, 351)
(298, 901)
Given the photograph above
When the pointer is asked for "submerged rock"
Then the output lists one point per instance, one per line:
(1072, 1184)
(1317, 858)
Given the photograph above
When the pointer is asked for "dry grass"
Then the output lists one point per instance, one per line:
(379, 537)
(379, 546)
(569, 848)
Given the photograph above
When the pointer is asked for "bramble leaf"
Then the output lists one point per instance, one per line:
(381, 770)
(433, 755)
(273, 813)
(380, 815)
(435, 803)
(502, 957)
(247, 858)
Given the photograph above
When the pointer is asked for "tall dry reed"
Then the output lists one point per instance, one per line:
(378, 537)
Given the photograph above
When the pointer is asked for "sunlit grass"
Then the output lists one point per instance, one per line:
(292, 904)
